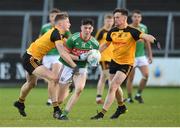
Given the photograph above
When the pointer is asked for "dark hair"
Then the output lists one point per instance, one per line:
(54, 10)
(87, 21)
(123, 11)
(136, 11)
(61, 16)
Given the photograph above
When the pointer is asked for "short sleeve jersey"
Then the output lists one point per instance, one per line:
(44, 44)
(124, 43)
(107, 54)
(76, 46)
(140, 51)
(47, 27)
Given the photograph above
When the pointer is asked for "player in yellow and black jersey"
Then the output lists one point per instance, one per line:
(106, 56)
(33, 56)
(123, 38)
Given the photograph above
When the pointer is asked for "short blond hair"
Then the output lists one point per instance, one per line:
(108, 16)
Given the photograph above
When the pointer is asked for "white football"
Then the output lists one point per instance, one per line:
(94, 57)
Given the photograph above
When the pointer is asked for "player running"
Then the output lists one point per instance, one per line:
(32, 62)
(123, 38)
(78, 44)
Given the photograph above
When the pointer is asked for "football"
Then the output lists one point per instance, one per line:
(94, 57)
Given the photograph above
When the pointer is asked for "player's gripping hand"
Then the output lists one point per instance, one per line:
(84, 56)
(94, 63)
(157, 43)
(75, 71)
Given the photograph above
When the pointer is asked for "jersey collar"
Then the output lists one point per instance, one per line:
(83, 39)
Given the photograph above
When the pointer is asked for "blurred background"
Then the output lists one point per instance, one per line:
(20, 23)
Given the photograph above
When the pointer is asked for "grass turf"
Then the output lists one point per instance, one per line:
(161, 108)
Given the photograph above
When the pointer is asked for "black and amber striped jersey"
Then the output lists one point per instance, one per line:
(44, 44)
(124, 43)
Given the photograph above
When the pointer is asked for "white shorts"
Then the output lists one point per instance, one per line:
(48, 60)
(66, 75)
(141, 61)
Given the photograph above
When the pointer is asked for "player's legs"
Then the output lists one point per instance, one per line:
(79, 82)
(31, 81)
(119, 93)
(34, 68)
(119, 77)
(129, 85)
(121, 109)
(121, 72)
(55, 68)
(100, 86)
(45, 73)
(63, 92)
(143, 67)
(145, 74)
(117, 80)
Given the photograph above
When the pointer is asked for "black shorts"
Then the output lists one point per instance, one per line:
(30, 63)
(114, 67)
(104, 65)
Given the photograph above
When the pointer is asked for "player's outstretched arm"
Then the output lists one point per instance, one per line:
(152, 39)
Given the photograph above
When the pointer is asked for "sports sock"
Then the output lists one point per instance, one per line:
(21, 100)
(130, 95)
(103, 111)
(99, 96)
(139, 92)
(55, 104)
(49, 101)
(120, 103)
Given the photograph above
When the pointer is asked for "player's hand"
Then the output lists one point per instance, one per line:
(157, 43)
(150, 59)
(94, 63)
(75, 70)
(84, 56)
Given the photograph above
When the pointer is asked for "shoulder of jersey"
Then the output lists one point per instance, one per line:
(143, 25)
(114, 29)
(94, 41)
(75, 36)
(102, 30)
(130, 27)
(46, 25)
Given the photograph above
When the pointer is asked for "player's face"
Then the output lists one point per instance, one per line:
(52, 17)
(119, 19)
(136, 18)
(66, 24)
(87, 29)
(63, 25)
(109, 22)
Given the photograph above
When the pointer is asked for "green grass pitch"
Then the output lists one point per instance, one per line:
(161, 108)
